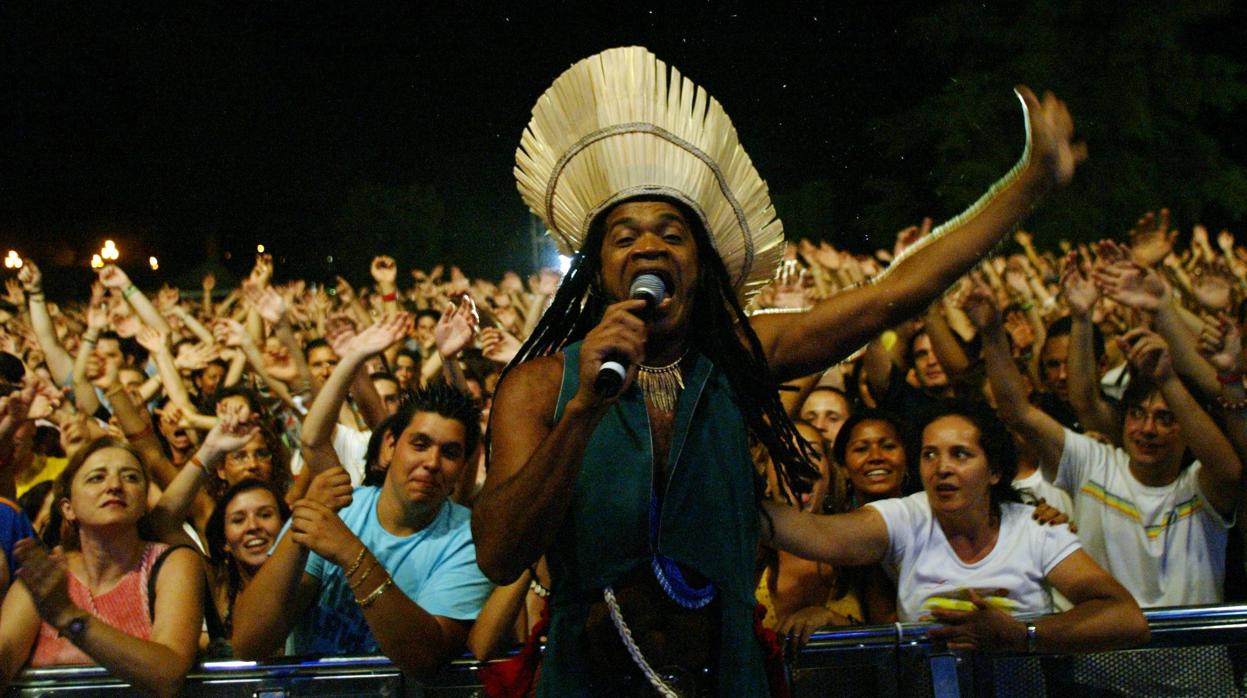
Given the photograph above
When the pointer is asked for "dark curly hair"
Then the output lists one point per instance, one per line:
(994, 438)
(223, 563)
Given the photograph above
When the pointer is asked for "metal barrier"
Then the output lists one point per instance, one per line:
(1193, 651)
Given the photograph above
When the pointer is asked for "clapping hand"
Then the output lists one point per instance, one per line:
(45, 576)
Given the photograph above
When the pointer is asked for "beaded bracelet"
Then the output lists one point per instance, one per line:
(376, 593)
(538, 588)
(130, 291)
(1232, 405)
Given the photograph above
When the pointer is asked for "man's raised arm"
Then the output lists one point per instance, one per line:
(796, 345)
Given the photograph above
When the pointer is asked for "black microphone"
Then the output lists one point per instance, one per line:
(651, 289)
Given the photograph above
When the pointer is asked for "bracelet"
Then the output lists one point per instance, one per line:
(130, 291)
(367, 572)
(376, 593)
(195, 460)
(1229, 378)
(90, 341)
(1027, 305)
(1232, 405)
(35, 295)
(391, 296)
(359, 560)
(1032, 637)
(142, 434)
(538, 588)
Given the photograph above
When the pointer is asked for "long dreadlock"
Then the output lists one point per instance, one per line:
(719, 326)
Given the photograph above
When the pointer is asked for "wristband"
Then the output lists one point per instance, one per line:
(1229, 378)
(89, 341)
(130, 291)
(144, 433)
(391, 296)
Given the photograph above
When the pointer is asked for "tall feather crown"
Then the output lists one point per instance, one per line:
(616, 125)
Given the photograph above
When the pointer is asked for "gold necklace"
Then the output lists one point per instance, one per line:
(662, 384)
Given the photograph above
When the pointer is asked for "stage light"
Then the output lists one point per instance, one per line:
(259, 249)
(154, 263)
(13, 261)
(96, 262)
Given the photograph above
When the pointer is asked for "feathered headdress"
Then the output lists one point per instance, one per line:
(616, 125)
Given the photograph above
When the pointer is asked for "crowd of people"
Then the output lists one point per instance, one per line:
(1028, 448)
(194, 433)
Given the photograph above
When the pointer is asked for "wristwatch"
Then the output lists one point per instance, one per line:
(75, 628)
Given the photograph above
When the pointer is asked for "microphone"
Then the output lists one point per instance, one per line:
(651, 289)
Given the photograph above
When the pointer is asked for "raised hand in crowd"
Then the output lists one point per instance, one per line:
(498, 345)
(457, 327)
(267, 302)
(1221, 342)
(1151, 240)
(1213, 286)
(1077, 287)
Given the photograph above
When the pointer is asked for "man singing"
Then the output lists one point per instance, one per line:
(645, 501)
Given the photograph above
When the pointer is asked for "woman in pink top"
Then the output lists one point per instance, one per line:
(113, 598)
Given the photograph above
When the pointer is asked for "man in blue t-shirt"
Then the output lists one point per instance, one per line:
(392, 572)
(14, 526)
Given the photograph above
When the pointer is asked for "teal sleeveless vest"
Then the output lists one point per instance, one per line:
(709, 521)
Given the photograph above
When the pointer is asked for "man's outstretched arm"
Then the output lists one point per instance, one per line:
(796, 345)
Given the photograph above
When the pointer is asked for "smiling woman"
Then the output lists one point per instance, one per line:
(240, 532)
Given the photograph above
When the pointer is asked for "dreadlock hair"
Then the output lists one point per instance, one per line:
(718, 327)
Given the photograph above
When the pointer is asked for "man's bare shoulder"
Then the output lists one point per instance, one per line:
(531, 387)
(542, 371)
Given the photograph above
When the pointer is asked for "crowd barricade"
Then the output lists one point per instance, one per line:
(1208, 642)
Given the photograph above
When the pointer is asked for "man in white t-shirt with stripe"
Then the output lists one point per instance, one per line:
(1156, 524)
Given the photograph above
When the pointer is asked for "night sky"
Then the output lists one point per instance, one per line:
(164, 125)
